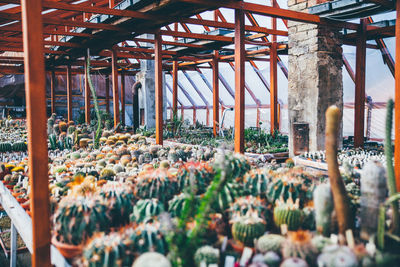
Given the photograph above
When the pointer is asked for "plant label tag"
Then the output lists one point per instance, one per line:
(224, 243)
(246, 255)
(229, 261)
(203, 264)
(334, 238)
(350, 238)
(284, 229)
(213, 265)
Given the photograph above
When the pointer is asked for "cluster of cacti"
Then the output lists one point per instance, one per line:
(256, 183)
(158, 183)
(288, 213)
(78, 218)
(207, 255)
(195, 176)
(146, 209)
(246, 229)
(119, 198)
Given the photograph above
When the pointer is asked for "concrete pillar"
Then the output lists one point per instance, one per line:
(315, 75)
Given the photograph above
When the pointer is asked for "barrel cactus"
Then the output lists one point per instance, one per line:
(146, 209)
(5, 147)
(246, 229)
(270, 242)
(298, 244)
(107, 174)
(206, 254)
(177, 204)
(323, 205)
(19, 146)
(335, 256)
(256, 182)
(198, 175)
(288, 213)
(286, 187)
(149, 238)
(243, 205)
(151, 259)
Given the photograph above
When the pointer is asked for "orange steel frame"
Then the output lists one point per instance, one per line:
(35, 33)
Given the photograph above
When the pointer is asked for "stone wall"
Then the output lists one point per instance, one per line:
(315, 75)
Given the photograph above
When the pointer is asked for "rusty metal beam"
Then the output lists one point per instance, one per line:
(107, 81)
(175, 88)
(397, 101)
(87, 94)
(122, 98)
(114, 70)
(69, 93)
(215, 90)
(159, 87)
(35, 82)
(273, 79)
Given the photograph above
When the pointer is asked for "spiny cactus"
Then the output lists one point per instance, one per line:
(246, 229)
(146, 209)
(288, 213)
(107, 174)
(178, 203)
(323, 205)
(206, 254)
(5, 147)
(291, 262)
(197, 175)
(119, 198)
(256, 182)
(298, 244)
(320, 242)
(235, 165)
(373, 193)
(243, 205)
(156, 184)
(151, 259)
(78, 218)
(19, 146)
(227, 196)
(270, 242)
(337, 256)
(62, 126)
(149, 238)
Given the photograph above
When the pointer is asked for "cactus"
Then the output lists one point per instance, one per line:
(206, 254)
(157, 183)
(146, 209)
(5, 147)
(323, 205)
(178, 203)
(320, 242)
(151, 259)
(50, 125)
(78, 218)
(242, 205)
(373, 193)
(391, 179)
(197, 175)
(246, 229)
(298, 244)
(227, 196)
(337, 256)
(19, 146)
(256, 182)
(288, 213)
(340, 198)
(53, 141)
(107, 174)
(270, 242)
(236, 165)
(62, 126)
(149, 238)
(291, 262)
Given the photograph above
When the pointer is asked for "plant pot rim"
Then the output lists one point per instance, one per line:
(57, 243)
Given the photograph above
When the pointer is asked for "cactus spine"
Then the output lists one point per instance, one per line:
(340, 198)
(323, 204)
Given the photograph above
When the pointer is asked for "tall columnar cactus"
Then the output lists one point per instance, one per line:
(323, 204)
(391, 179)
(340, 198)
(373, 194)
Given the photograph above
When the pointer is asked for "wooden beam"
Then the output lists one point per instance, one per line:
(87, 94)
(175, 88)
(69, 93)
(215, 88)
(52, 91)
(159, 87)
(107, 81)
(239, 80)
(397, 101)
(359, 108)
(114, 67)
(35, 82)
(122, 98)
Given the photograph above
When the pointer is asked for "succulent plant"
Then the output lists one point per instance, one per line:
(198, 175)
(107, 174)
(177, 204)
(243, 205)
(19, 146)
(246, 229)
(227, 196)
(298, 245)
(270, 242)
(256, 182)
(5, 147)
(119, 198)
(337, 256)
(146, 209)
(291, 262)
(78, 218)
(149, 238)
(151, 259)
(206, 254)
(235, 165)
(320, 242)
(272, 259)
(63, 126)
(288, 213)
(158, 183)
(323, 204)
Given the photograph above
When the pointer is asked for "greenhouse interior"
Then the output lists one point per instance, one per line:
(180, 133)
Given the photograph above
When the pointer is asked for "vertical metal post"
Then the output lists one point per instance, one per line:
(359, 105)
(123, 98)
(174, 88)
(35, 82)
(397, 100)
(13, 246)
(114, 68)
(273, 56)
(87, 94)
(52, 92)
(239, 80)
(159, 87)
(215, 77)
(107, 93)
(69, 93)
(194, 115)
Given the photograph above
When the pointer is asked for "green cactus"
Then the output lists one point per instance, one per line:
(19, 146)
(178, 203)
(243, 205)
(288, 213)
(5, 147)
(323, 205)
(287, 187)
(320, 242)
(53, 141)
(206, 254)
(246, 229)
(78, 218)
(270, 242)
(256, 182)
(298, 244)
(337, 256)
(149, 238)
(107, 174)
(198, 173)
(120, 199)
(146, 209)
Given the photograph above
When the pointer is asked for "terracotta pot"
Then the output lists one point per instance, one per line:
(67, 250)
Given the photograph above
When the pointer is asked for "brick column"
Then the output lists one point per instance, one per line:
(315, 75)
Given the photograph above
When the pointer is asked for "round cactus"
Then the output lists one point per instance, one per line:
(335, 256)
(206, 254)
(256, 182)
(288, 213)
(177, 204)
(246, 229)
(107, 174)
(270, 242)
(151, 259)
(197, 175)
(146, 209)
(291, 262)
(243, 205)
(298, 244)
